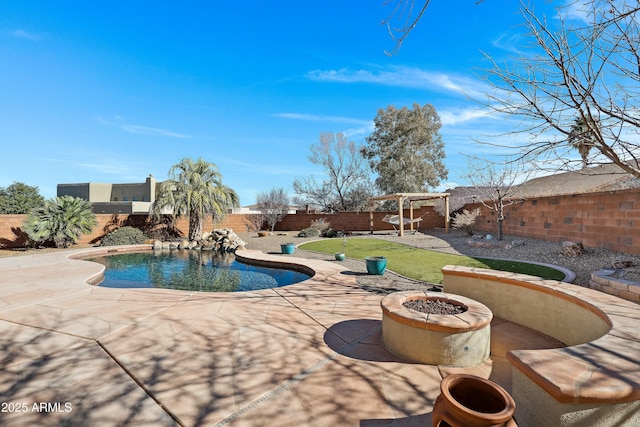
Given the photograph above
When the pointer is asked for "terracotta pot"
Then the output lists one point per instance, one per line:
(470, 401)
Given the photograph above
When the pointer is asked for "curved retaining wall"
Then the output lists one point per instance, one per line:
(595, 380)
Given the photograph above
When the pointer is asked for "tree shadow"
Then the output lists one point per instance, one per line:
(21, 239)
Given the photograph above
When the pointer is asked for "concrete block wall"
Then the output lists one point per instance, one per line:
(359, 221)
(608, 220)
(11, 235)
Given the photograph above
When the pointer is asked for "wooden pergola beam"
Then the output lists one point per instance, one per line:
(400, 198)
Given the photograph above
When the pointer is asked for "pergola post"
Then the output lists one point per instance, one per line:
(411, 214)
(401, 216)
(446, 214)
(370, 216)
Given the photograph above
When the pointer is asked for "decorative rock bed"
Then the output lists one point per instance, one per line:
(437, 339)
(220, 240)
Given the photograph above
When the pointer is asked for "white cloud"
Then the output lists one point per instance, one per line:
(509, 42)
(120, 122)
(144, 130)
(322, 118)
(454, 117)
(22, 34)
(409, 77)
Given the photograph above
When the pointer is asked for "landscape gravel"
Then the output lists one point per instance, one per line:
(527, 249)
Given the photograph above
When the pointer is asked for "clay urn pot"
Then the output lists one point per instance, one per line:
(470, 401)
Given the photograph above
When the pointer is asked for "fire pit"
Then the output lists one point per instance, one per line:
(436, 328)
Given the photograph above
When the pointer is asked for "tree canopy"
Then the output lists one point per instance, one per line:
(195, 189)
(406, 149)
(19, 198)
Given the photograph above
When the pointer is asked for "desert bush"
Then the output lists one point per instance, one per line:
(320, 224)
(309, 232)
(466, 220)
(329, 232)
(124, 236)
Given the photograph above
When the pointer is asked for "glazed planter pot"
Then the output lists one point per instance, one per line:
(470, 401)
(287, 248)
(339, 256)
(376, 265)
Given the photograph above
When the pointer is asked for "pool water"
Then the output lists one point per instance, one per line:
(191, 271)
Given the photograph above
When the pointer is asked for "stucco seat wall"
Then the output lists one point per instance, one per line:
(595, 380)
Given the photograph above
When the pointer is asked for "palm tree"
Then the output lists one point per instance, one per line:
(61, 220)
(195, 189)
(581, 138)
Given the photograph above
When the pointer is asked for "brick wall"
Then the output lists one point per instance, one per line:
(359, 221)
(608, 220)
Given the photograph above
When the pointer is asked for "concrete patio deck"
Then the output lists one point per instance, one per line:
(308, 354)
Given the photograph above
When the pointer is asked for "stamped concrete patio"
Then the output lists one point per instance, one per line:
(308, 354)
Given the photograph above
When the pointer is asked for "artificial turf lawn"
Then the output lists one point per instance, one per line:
(422, 264)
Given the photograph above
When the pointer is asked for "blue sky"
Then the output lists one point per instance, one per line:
(114, 91)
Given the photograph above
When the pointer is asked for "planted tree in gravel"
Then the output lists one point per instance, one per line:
(274, 205)
(495, 188)
(195, 189)
(61, 220)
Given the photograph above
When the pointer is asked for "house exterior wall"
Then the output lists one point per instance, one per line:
(111, 198)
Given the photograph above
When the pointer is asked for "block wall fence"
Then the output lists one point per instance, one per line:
(608, 220)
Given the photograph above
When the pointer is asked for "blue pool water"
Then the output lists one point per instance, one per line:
(191, 271)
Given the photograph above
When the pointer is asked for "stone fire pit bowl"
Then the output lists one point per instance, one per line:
(436, 339)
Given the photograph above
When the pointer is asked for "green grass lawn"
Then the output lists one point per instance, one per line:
(422, 264)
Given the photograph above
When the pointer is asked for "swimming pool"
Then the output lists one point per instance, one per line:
(191, 271)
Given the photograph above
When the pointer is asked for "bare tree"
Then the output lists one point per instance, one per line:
(403, 19)
(347, 186)
(274, 205)
(587, 70)
(495, 188)
(456, 202)
(584, 63)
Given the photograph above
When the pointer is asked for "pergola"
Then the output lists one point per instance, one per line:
(411, 197)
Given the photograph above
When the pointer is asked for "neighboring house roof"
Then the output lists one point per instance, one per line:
(606, 177)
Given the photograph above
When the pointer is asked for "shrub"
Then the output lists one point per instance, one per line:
(309, 232)
(466, 220)
(329, 232)
(124, 236)
(61, 220)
